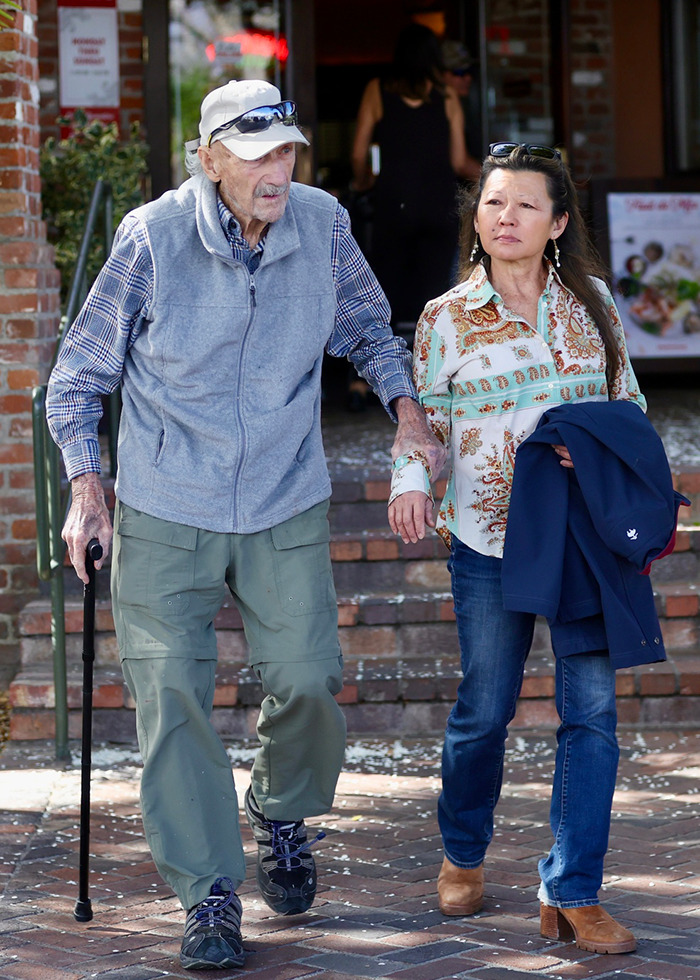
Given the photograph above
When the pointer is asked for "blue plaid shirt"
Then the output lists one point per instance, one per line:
(117, 309)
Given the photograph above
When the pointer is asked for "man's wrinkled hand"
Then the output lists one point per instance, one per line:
(409, 515)
(415, 435)
(87, 518)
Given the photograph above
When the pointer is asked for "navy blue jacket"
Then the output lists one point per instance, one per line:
(579, 542)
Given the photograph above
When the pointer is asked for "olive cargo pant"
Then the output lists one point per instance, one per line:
(168, 583)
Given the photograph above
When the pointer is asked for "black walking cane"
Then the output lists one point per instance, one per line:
(93, 553)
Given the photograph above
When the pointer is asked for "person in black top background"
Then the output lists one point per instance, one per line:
(418, 124)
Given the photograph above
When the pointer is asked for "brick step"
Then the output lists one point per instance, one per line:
(376, 560)
(362, 559)
(366, 619)
(391, 624)
(361, 492)
(401, 670)
(381, 695)
(359, 496)
(687, 481)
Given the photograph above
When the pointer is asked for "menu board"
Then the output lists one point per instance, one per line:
(654, 241)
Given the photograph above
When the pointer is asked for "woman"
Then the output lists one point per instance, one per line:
(530, 326)
(419, 126)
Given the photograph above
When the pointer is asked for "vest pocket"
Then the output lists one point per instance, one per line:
(161, 440)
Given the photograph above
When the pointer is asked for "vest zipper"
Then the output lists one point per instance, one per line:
(236, 486)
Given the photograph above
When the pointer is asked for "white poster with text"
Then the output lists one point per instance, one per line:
(88, 57)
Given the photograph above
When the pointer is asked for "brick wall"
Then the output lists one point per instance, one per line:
(29, 303)
(592, 105)
(520, 80)
(130, 65)
(517, 37)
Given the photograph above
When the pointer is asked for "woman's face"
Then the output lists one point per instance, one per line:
(514, 217)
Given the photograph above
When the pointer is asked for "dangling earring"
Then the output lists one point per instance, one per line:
(556, 254)
(475, 249)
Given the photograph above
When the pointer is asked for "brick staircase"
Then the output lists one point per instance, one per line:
(397, 634)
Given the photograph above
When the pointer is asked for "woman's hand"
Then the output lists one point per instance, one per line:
(565, 457)
(409, 514)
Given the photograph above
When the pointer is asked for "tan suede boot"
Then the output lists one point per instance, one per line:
(591, 928)
(460, 890)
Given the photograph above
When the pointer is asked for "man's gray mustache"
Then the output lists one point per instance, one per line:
(264, 190)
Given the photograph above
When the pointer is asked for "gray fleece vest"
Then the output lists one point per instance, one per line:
(220, 426)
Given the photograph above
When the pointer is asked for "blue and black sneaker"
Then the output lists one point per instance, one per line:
(213, 931)
(286, 870)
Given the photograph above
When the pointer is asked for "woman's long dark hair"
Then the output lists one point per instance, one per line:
(417, 63)
(579, 260)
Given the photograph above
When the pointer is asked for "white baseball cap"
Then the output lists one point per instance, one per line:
(266, 131)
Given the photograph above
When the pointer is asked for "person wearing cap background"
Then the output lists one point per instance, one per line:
(460, 70)
(458, 75)
(213, 312)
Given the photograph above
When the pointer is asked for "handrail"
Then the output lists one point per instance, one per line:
(43, 544)
(51, 502)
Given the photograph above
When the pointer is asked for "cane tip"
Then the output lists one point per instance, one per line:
(83, 910)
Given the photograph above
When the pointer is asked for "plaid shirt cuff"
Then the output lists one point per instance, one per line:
(82, 457)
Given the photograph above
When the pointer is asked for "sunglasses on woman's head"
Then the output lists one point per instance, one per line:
(533, 149)
(260, 119)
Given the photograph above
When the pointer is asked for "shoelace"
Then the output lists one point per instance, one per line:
(283, 844)
(214, 905)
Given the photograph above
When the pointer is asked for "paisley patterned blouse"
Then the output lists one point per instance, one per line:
(484, 378)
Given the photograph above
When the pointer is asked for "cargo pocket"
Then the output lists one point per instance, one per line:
(157, 562)
(302, 562)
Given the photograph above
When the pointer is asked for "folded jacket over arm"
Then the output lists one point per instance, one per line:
(579, 542)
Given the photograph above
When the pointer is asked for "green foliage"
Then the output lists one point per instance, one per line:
(69, 170)
(194, 85)
(8, 9)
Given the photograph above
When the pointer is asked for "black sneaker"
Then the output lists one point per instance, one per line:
(286, 870)
(213, 931)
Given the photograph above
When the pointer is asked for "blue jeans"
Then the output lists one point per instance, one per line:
(494, 646)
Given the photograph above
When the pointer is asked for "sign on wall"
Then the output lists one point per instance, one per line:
(654, 242)
(88, 53)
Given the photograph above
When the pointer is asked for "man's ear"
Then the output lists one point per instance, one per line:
(209, 164)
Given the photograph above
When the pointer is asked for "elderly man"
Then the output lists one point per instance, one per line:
(213, 312)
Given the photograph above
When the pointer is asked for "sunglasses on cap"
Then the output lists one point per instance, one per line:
(533, 149)
(259, 119)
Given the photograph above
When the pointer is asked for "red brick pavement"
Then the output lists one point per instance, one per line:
(375, 916)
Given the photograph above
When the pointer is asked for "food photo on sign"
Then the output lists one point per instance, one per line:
(655, 259)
